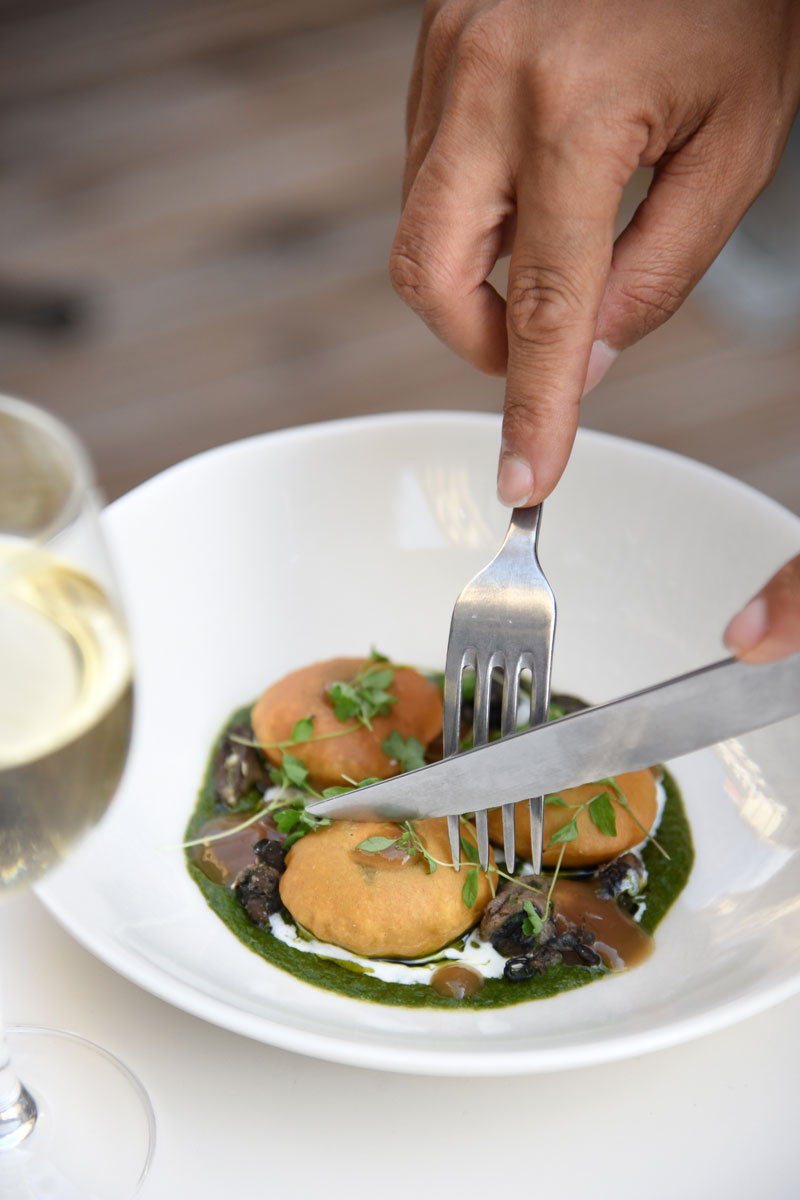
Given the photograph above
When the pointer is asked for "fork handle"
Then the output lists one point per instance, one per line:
(525, 523)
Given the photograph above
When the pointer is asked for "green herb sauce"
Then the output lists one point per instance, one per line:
(666, 879)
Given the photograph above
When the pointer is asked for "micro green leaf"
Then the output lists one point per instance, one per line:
(623, 800)
(432, 864)
(376, 655)
(374, 845)
(377, 678)
(567, 833)
(303, 729)
(364, 697)
(296, 822)
(469, 892)
(345, 701)
(470, 850)
(556, 800)
(601, 810)
(556, 712)
(339, 790)
(412, 843)
(532, 925)
(286, 819)
(408, 752)
(294, 770)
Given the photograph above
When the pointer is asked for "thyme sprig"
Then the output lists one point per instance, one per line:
(410, 841)
(365, 696)
(601, 812)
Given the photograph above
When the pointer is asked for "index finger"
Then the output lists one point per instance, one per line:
(567, 201)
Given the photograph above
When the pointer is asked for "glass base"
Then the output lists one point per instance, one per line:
(93, 1137)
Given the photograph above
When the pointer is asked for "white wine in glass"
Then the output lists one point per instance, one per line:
(65, 721)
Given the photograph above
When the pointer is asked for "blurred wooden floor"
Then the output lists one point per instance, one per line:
(215, 185)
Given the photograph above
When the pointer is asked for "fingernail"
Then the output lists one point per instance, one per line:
(514, 481)
(748, 627)
(600, 359)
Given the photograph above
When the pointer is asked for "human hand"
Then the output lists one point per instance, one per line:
(525, 120)
(768, 627)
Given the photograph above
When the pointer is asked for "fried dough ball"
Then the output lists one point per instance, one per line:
(358, 755)
(380, 905)
(591, 847)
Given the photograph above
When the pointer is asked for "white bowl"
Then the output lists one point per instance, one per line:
(267, 554)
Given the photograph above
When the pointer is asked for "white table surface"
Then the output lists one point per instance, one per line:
(714, 1118)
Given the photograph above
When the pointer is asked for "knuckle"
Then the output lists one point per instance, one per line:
(650, 300)
(519, 421)
(416, 283)
(540, 302)
(445, 22)
(481, 50)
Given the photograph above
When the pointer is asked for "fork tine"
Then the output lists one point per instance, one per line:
(457, 661)
(484, 669)
(508, 724)
(540, 661)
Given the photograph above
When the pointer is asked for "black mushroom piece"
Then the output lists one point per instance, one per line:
(622, 880)
(531, 954)
(257, 886)
(505, 915)
(238, 769)
(572, 946)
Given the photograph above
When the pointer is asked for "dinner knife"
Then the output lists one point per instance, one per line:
(683, 714)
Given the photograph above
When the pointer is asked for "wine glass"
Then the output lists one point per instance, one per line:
(78, 1124)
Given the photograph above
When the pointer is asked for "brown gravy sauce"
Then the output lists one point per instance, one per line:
(221, 861)
(619, 940)
(456, 981)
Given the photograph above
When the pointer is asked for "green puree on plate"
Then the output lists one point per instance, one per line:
(666, 879)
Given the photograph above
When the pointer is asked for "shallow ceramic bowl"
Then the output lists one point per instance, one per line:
(267, 554)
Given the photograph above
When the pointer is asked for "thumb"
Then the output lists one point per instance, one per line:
(768, 627)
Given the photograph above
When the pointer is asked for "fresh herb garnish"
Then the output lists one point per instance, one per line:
(601, 812)
(365, 696)
(329, 792)
(566, 833)
(532, 925)
(408, 752)
(376, 844)
(303, 729)
(296, 823)
(291, 773)
(410, 841)
(469, 892)
(623, 799)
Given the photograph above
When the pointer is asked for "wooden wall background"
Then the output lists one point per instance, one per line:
(197, 199)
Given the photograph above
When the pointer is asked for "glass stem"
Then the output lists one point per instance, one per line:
(17, 1106)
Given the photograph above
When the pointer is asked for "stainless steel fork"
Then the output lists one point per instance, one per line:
(503, 622)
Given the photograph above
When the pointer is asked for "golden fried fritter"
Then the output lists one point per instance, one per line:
(359, 754)
(379, 905)
(591, 847)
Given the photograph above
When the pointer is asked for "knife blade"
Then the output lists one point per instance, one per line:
(689, 712)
